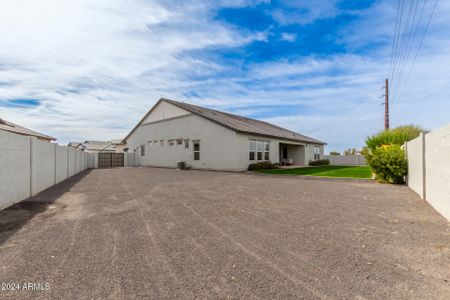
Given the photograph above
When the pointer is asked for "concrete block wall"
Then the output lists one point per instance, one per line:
(129, 160)
(91, 160)
(15, 168)
(71, 161)
(429, 168)
(346, 160)
(61, 166)
(43, 166)
(29, 166)
(414, 151)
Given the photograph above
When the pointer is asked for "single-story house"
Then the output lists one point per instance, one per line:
(99, 146)
(11, 127)
(204, 138)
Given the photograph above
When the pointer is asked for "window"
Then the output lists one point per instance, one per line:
(186, 144)
(142, 150)
(196, 150)
(266, 150)
(161, 142)
(179, 141)
(170, 142)
(316, 152)
(251, 150)
(149, 143)
(259, 150)
(155, 142)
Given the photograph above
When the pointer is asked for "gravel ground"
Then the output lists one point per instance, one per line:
(147, 233)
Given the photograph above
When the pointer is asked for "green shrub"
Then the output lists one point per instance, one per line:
(319, 162)
(396, 136)
(335, 153)
(389, 163)
(264, 165)
(385, 156)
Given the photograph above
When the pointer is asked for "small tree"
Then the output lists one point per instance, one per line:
(385, 156)
(335, 153)
(396, 136)
(350, 151)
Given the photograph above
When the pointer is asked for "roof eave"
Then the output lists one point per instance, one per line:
(281, 138)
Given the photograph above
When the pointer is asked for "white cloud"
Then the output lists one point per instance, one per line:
(98, 66)
(290, 37)
(305, 12)
(93, 62)
(241, 3)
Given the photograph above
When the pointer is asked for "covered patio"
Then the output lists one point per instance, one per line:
(292, 154)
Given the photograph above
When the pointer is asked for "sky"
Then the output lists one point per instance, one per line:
(83, 70)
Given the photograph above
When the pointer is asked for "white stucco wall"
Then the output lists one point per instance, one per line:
(429, 176)
(310, 152)
(71, 161)
(129, 159)
(29, 166)
(92, 160)
(43, 166)
(14, 168)
(61, 166)
(437, 169)
(218, 147)
(78, 161)
(414, 150)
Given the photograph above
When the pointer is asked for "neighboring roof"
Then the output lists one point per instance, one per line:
(76, 145)
(11, 127)
(237, 123)
(98, 146)
(117, 142)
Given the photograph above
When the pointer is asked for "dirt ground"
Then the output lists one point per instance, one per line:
(147, 233)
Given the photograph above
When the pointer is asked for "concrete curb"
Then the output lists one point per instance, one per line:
(322, 178)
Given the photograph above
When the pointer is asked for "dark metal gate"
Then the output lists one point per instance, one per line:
(110, 160)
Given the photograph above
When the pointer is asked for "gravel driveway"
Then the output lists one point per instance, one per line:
(147, 233)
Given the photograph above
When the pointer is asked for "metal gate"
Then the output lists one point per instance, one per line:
(110, 160)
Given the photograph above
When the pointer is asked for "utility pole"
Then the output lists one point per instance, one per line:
(386, 106)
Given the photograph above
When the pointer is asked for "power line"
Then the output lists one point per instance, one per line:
(408, 37)
(404, 41)
(394, 39)
(397, 36)
(410, 40)
(420, 44)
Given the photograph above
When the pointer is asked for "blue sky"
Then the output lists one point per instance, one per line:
(85, 69)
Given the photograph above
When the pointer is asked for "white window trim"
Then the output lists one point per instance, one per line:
(256, 141)
(196, 151)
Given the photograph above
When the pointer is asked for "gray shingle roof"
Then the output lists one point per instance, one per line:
(11, 127)
(98, 146)
(243, 124)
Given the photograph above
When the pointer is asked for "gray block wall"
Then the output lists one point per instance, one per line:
(346, 160)
(429, 168)
(29, 166)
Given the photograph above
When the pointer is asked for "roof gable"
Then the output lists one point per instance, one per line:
(164, 110)
(230, 121)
